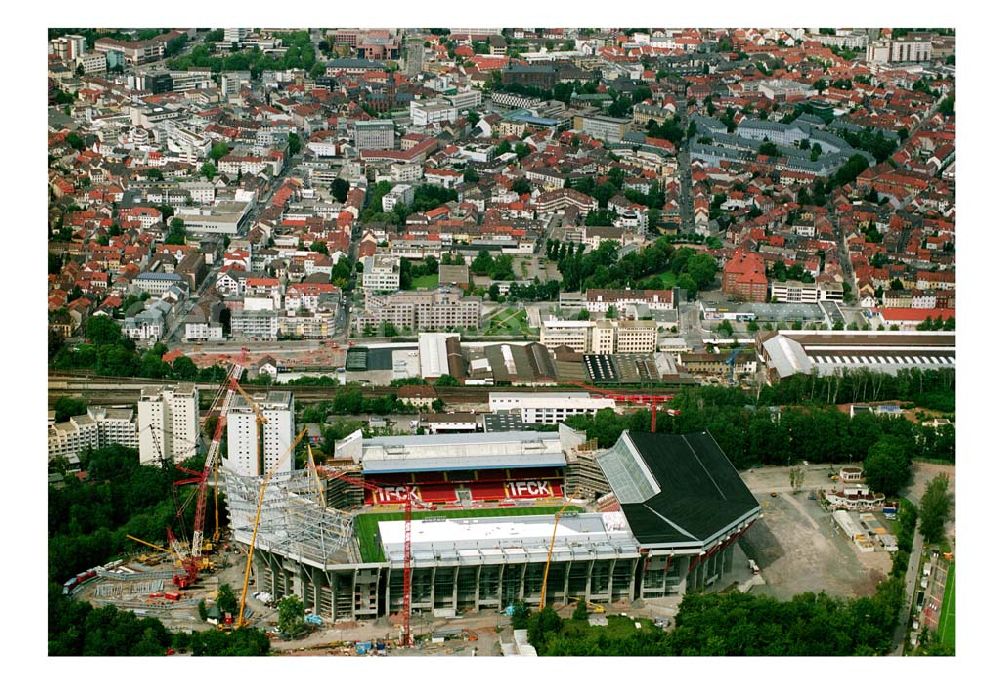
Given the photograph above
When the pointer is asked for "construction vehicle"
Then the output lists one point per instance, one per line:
(552, 545)
(256, 526)
(407, 639)
(591, 607)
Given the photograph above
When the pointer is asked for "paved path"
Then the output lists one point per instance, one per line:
(911, 582)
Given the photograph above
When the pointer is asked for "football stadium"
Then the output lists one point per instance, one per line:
(655, 515)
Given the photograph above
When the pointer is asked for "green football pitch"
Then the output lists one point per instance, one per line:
(366, 524)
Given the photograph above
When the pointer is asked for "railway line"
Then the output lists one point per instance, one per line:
(108, 390)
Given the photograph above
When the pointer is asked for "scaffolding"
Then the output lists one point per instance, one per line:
(293, 523)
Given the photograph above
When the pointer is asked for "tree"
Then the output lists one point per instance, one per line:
(74, 141)
(935, 509)
(470, 175)
(177, 233)
(154, 174)
(580, 612)
(887, 466)
(769, 148)
(291, 616)
(319, 246)
(208, 170)
(294, 143)
(504, 147)
(102, 330)
(446, 380)
(226, 600)
(219, 150)
(725, 328)
(437, 405)
(66, 407)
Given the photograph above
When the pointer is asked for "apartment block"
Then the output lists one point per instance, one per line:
(168, 423)
(381, 273)
(374, 135)
(421, 311)
(248, 452)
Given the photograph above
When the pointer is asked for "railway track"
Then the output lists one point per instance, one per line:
(102, 390)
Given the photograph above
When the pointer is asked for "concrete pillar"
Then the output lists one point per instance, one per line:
(500, 569)
(524, 568)
(388, 590)
(475, 604)
(611, 580)
(454, 589)
(590, 574)
(433, 595)
(566, 571)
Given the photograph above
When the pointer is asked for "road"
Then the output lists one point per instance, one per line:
(684, 171)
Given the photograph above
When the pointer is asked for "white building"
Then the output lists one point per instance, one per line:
(254, 324)
(246, 451)
(168, 423)
(202, 331)
(546, 408)
(115, 425)
(424, 113)
(601, 336)
(400, 194)
(381, 273)
(71, 438)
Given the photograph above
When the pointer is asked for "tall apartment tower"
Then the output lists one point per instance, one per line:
(414, 57)
(244, 456)
(168, 423)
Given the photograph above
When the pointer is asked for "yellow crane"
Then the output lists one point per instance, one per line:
(153, 546)
(256, 525)
(552, 545)
(320, 494)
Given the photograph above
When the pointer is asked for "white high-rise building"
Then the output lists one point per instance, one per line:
(168, 423)
(244, 454)
(234, 36)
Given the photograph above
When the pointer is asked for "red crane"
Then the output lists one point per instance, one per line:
(635, 398)
(411, 498)
(192, 560)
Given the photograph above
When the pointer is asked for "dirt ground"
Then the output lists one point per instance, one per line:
(797, 546)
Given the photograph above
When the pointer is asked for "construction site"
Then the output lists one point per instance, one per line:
(440, 526)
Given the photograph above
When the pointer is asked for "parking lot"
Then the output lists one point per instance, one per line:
(797, 546)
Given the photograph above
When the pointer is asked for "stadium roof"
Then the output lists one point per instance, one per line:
(510, 538)
(456, 451)
(676, 490)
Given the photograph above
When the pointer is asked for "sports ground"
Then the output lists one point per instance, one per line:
(366, 524)
(946, 624)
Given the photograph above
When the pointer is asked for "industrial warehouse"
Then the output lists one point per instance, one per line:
(497, 517)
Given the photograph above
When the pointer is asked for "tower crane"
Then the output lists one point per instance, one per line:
(552, 545)
(256, 525)
(407, 518)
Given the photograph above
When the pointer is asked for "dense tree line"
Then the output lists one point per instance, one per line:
(349, 400)
(108, 353)
(300, 53)
(734, 624)
(875, 142)
(806, 428)
(88, 519)
(603, 269)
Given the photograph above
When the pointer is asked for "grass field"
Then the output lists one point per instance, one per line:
(425, 282)
(366, 525)
(946, 626)
(507, 322)
(667, 277)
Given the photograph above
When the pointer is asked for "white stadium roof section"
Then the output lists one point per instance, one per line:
(787, 356)
(417, 453)
(511, 538)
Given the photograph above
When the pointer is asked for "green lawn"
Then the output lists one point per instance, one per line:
(425, 282)
(366, 524)
(946, 626)
(667, 277)
(508, 322)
